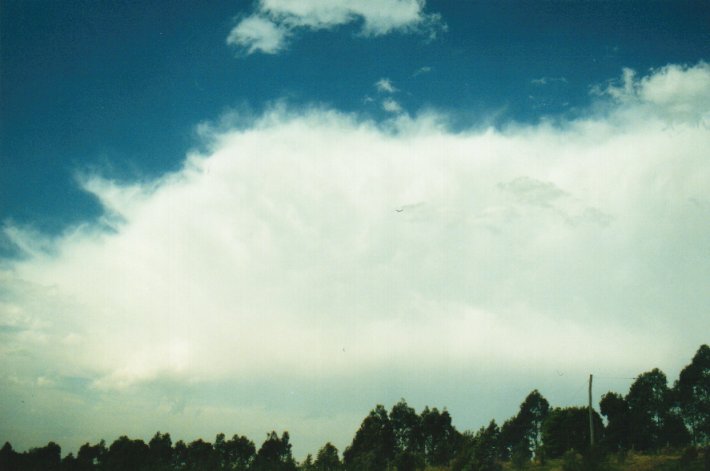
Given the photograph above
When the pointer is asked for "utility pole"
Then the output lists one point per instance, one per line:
(591, 422)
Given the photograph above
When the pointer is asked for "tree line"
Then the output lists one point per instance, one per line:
(651, 416)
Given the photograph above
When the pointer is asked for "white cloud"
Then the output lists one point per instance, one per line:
(391, 106)
(258, 34)
(275, 266)
(385, 85)
(274, 20)
(673, 92)
(422, 70)
(548, 80)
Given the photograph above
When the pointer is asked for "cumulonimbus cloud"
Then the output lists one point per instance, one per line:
(314, 244)
(274, 21)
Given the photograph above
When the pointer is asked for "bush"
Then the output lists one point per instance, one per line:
(689, 455)
(520, 458)
(571, 461)
(594, 459)
(591, 460)
(621, 456)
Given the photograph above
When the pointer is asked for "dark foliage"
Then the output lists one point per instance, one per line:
(327, 459)
(374, 444)
(521, 436)
(479, 452)
(441, 439)
(568, 429)
(645, 419)
(275, 454)
(691, 394)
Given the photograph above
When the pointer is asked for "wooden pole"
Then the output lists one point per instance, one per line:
(591, 422)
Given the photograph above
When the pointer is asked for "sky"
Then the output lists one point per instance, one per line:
(249, 216)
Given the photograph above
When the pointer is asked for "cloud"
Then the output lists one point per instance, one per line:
(391, 106)
(258, 34)
(674, 92)
(384, 85)
(274, 20)
(271, 282)
(548, 80)
(422, 70)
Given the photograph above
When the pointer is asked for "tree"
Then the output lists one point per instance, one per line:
(407, 428)
(649, 404)
(236, 454)
(373, 446)
(180, 455)
(200, 455)
(408, 435)
(8, 458)
(479, 452)
(125, 453)
(69, 463)
(692, 395)
(46, 458)
(327, 459)
(440, 437)
(511, 436)
(90, 456)
(616, 410)
(652, 423)
(522, 435)
(533, 412)
(161, 451)
(275, 454)
(568, 429)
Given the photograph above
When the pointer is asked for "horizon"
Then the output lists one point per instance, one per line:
(389, 407)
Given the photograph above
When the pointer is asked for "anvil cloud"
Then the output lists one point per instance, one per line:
(321, 253)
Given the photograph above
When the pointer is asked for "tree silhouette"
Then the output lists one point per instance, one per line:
(522, 435)
(8, 457)
(161, 451)
(407, 428)
(200, 455)
(692, 395)
(236, 454)
(275, 454)
(373, 446)
(479, 451)
(616, 410)
(409, 437)
(125, 453)
(651, 421)
(568, 429)
(327, 459)
(440, 437)
(47, 458)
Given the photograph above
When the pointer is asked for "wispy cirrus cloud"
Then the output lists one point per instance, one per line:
(306, 250)
(548, 80)
(273, 22)
(422, 70)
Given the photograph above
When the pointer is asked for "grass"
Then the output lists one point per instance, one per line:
(631, 462)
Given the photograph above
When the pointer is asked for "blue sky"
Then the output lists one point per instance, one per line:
(120, 86)
(185, 185)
